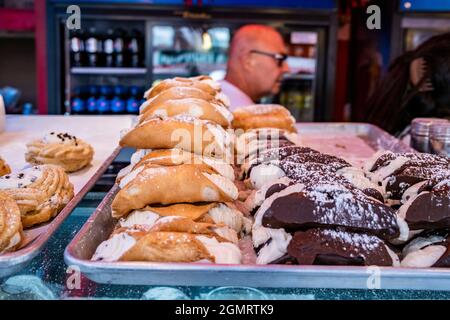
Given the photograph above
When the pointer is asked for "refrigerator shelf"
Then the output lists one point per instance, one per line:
(108, 71)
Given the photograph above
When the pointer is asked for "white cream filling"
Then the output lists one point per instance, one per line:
(404, 230)
(412, 191)
(130, 177)
(276, 248)
(228, 216)
(21, 179)
(224, 184)
(224, 112)
(257, 197)
(369, 163)
(114, 248)
(139, 217)
(383, 172)
(227, 233)
(222, 97)
(138, 155)
(221, 137)
(423, 258)
(264, 173)
(394, 257)
(221, 167)
(357, 177)
(223, 252)
(421, 242)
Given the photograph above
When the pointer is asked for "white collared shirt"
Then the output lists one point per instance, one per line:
(237, 97)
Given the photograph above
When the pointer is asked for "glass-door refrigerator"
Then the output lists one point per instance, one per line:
(177, 39)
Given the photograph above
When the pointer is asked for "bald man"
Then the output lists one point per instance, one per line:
(256, 64)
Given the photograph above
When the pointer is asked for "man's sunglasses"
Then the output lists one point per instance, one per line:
(279, 57)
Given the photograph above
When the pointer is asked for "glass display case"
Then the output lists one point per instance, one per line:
(48, 277)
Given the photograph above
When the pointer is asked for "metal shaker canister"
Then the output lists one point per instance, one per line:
(440, 138)
(420, 133)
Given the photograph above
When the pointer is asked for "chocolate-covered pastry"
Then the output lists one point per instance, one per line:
(337, 247)
(299, 155)
(329, 205)
(428, 209)
(429, 249)
(398, 172)
(386, 157)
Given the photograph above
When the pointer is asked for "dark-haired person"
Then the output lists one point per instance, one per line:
(256, 64)
(417, 85)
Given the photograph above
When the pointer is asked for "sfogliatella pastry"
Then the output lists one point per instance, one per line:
(197, 108)
(10, 224)
(183, 132)
(4, 168)
(60, 149)
(177, 93)
(41, 192)
(153, 184)
(263, 116)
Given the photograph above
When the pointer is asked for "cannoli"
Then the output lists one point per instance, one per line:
(197, 108)
(183, 132)
(151, 184)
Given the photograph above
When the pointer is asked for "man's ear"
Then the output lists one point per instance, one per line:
(248, 62)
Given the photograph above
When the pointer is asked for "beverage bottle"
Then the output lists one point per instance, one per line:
(133, 105)
(118, 104)
(91, 103)
(133, 50)
(77, 49)
(92, 48)
(78, 106)
(104, 103)
(108, 49)
(119, 45)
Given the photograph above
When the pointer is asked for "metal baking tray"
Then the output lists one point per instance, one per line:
(100, 225)
(36, 238)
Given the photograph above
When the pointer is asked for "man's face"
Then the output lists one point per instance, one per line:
(266, 71)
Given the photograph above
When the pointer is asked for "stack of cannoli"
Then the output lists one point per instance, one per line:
(174, 202)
